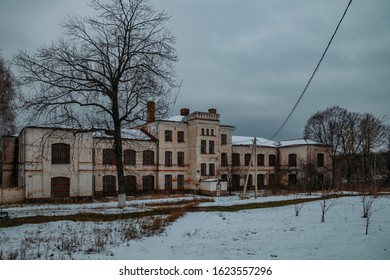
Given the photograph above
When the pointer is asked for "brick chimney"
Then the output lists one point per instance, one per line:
(150, 113)
(184, 112)
(212, 111)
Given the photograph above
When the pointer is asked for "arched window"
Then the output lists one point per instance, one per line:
(60, 187)
(129, 157)
(260, 160)
(292, 159)
(260, 180)
(60, 153)
(235, 159)
(148, 157)
(109, 185)
(108, 156)
(247, 159)
(320, 160)
(148, 183)
(130, 184)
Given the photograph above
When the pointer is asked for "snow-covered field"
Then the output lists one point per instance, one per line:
(270, 233)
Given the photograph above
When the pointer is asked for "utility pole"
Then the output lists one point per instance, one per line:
(253, 161)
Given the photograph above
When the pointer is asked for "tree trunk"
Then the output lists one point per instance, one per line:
(118, 154)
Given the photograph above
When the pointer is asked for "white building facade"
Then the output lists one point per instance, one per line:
(190, 152)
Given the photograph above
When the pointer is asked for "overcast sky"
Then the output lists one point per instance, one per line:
(251, 59)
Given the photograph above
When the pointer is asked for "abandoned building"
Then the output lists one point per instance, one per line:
(190, 152)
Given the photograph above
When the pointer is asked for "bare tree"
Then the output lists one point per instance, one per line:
(103, 71)
(326, 204)
(8, 87)
(327, 127)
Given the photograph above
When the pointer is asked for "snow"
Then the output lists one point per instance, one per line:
(267, 233)
(248, 140)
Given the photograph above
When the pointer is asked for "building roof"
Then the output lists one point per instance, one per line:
(248, 140)
(131, 134)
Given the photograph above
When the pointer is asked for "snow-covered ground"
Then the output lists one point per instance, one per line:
(270, 233)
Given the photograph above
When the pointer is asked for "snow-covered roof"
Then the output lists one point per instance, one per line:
(248, 140)
(176, 118)
(133, 134)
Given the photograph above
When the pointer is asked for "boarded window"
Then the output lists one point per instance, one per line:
(60, 153)
(180, 136)
(180, 158)
(130, 185)
(168, 158)
(260, 160)
(236, 159)
(292, 159)
(148, 157)
(320, 160)
(60, 187)
(148, 183)
(129, 157)
(109, 156)
(180, 182)
(168, 182)
(109, 185)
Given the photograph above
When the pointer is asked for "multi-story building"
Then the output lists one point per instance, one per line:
(189, 152)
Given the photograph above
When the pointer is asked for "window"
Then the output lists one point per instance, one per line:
(168, 158)
(292, 179)
(168, 135)
(260, 179)
(292, 159)
(272, 160)
(224, 177)
(260, 160)
(109, 185)
(224, 159)
(203, 169)
(250, 181)
(148, 183)
(180, 136)
(207, 131)
(272, 179)
(236, 182)
(211, 169)
(180, 182)
(320, 179)
(148, 157)
(223, 139)
(211, 147)
(247, 159)
(320, 160)
(60, 187)
(130, 185)
(168, 182)
(129, 157)
(109, 156)
(235, 159)
(60, 153)
(202, 131)
(203, 144)
(180, 158)
(212, 132)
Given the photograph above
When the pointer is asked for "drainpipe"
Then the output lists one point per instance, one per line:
(157, 157)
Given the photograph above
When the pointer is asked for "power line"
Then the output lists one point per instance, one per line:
(312, 76)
